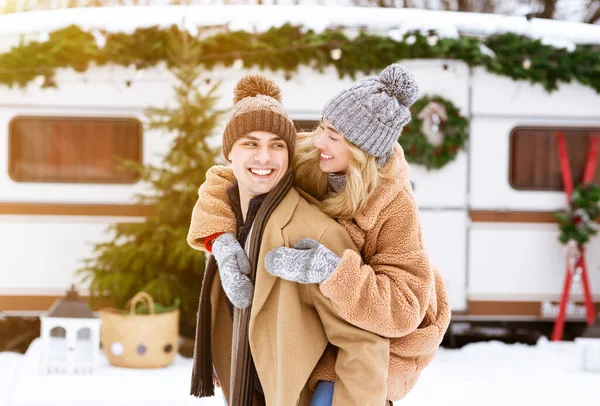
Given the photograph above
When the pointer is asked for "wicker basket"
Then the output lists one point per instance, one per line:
(139, 340)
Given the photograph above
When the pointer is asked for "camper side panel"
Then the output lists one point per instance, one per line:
(515, 187)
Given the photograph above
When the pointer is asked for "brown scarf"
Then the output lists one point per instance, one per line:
(241, 371)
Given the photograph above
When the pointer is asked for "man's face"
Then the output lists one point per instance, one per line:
(259, 161)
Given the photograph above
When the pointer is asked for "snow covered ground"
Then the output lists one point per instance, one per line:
(481, 374)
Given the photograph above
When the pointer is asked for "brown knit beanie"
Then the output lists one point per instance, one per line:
(258, 108)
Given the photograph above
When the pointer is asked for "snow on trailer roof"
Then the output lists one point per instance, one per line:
(393, 22)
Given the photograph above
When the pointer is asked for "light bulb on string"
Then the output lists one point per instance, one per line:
(99, 38)
(432, 40)
(238, 64)
(39, 80)
(411, 39)
(526, 63)
(44, 37)
(336, 54)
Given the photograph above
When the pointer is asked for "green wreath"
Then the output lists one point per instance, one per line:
(577, 223)
(453, 128)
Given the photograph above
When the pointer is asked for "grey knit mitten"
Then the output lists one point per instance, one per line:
(308, 262)
(233, 269)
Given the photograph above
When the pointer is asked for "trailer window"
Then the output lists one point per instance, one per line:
(73, 150)
(534, 163)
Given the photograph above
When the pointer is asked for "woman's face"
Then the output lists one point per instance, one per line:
(335, 152)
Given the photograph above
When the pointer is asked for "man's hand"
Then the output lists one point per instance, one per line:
(308, 262)
(233, 269)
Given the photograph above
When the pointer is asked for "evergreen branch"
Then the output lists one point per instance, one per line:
(287, 48)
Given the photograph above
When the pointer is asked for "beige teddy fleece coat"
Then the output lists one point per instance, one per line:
(394, 290)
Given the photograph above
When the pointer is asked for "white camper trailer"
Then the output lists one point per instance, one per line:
(487, 220)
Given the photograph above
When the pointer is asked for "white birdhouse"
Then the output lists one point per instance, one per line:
(70, 335)
(589, 342)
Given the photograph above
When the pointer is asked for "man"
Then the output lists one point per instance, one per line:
(282, 329)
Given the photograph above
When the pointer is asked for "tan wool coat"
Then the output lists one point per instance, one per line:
(391, 288)
(291, 324)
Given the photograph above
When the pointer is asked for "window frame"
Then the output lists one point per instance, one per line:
(295, 121)
(552, 129)
(11, 152)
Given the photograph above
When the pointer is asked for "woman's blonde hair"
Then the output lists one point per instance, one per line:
(362, 179)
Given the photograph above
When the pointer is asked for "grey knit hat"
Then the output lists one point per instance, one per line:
(372, 112)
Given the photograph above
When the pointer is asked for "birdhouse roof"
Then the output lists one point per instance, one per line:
(70, 306)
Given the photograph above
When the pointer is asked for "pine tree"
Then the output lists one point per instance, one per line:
(153, 255)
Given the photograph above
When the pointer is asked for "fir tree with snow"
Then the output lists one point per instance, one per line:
(153, 256)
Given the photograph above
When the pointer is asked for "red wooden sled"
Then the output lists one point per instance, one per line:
(576, 255)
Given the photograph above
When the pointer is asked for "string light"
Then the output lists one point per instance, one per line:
(99, 38)
(165, 79)
(237, 56)
(44, 37)
(432, 40)
(411, 39)
(238, 64)
(336, 54)
(210, 57)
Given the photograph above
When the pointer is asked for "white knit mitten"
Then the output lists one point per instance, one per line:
(308, 262)
(234, 269)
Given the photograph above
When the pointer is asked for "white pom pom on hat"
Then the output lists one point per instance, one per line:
(400, 83)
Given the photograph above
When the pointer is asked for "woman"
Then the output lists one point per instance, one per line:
(356, 170)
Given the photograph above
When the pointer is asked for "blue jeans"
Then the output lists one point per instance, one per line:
(323, 394)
